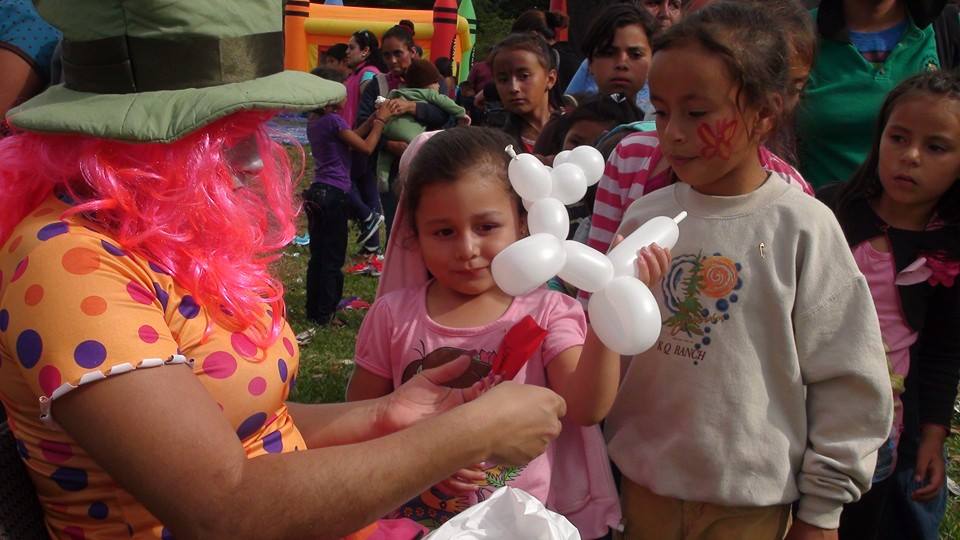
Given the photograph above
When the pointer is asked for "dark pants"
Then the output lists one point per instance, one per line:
(888, 512)
(910, 519)
(389, 209)
(863, 519)
(326, 208)
(364, 195)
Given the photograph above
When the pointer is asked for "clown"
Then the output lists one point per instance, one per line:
(145, 362)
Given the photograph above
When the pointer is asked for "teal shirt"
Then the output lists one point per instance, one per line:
(837, 117)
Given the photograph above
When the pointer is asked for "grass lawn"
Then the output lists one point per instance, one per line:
(326, 362)
(950, 528)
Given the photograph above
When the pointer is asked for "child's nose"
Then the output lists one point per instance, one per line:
(467, 247)
(911, 154)
(673, 132)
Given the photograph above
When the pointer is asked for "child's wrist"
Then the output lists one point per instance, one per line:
(934, 433)
(471, 414)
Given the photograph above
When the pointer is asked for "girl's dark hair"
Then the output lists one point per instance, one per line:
(451, 153)
(749, 43)
(616, 109)
(556, 20)
(337, 51)
(368, 40)
(329, 74)
(544, 23)
(614, 17)
(444, 66)
(797, 24)
(408, 24)
(865, 183)
(402, 33)
(527, 41)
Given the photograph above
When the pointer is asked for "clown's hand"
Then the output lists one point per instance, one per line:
(425, 395)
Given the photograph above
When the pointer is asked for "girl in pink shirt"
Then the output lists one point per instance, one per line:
(901, 215)
(462, 213)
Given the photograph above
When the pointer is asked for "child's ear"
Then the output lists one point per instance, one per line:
(551, 78)
(522, 223)
(768, 117)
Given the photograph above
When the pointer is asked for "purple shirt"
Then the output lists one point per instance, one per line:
(331, 156)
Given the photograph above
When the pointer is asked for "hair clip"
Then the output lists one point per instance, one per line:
(618, 98)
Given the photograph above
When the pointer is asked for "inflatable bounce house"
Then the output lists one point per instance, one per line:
(312, 26)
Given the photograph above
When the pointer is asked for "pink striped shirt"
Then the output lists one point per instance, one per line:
(628, 177)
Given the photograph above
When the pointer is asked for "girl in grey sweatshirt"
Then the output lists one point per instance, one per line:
(768, 384)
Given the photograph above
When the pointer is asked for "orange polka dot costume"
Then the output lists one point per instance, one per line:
(75, 309)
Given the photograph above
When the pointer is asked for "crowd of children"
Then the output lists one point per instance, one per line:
(804, 381)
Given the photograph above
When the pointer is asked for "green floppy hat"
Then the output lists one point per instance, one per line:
(155, 70)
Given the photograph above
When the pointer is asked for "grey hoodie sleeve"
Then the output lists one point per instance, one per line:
(844, 367)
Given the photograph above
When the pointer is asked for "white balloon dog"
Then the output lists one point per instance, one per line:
(623, 311)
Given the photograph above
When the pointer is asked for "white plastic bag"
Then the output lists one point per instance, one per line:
(509, 514)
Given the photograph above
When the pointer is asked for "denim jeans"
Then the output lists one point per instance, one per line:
(364, 196)
(907, 519)
(326, 208)
(918, 520)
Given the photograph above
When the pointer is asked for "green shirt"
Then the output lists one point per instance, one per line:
(837, 116)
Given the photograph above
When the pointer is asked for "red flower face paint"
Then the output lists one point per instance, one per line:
(717, 139)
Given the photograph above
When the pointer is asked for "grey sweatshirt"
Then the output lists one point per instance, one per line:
(769, 381)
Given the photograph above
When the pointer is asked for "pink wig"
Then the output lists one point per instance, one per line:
(176, 204)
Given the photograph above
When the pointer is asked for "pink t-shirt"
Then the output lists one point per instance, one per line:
(398, 338)
(879, 270)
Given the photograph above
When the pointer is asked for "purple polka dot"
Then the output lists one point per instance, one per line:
(162, 295)
(250, 426)
(188, 307)
(98, 510)
(158, 269)
(90, 354)
(273, 442)
(282, 366)
(22, 450)
(293, 383)
(29, 348)
(51, 230)
(165, 534)
(70, 479)
(112, 249)
(4, 320)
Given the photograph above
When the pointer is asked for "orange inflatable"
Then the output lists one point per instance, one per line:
(311, 28)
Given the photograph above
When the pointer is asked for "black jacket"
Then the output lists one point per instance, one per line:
(933, 311)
